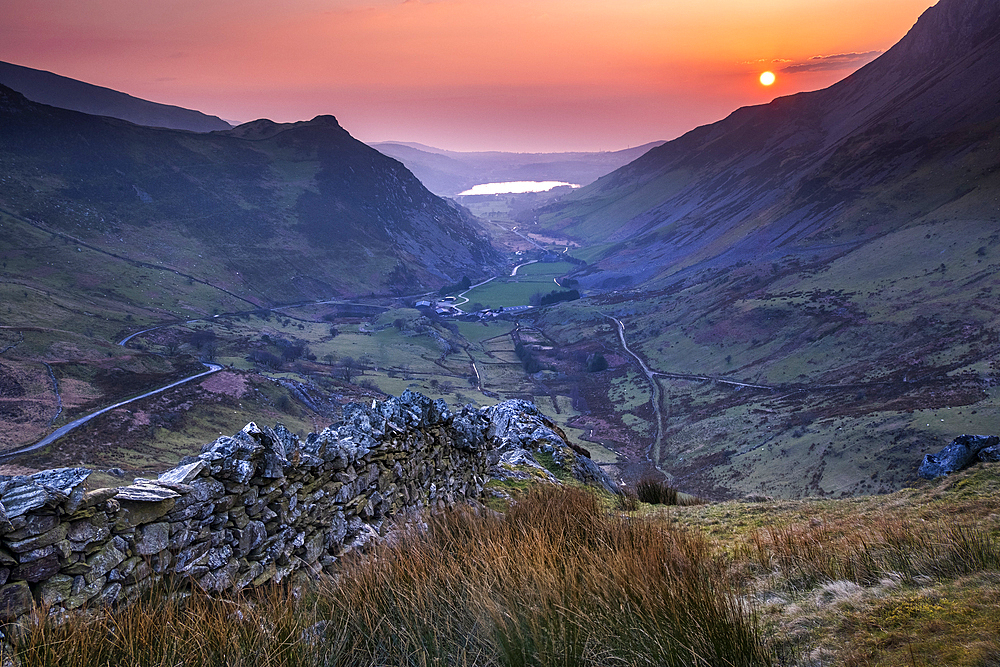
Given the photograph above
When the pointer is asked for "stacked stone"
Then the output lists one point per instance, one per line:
(250, 509)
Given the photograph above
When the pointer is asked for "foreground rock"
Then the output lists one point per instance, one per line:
(261, 505)
(963, 451)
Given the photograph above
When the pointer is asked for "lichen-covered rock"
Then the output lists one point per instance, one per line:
(183, 474)
(962, 451)
(152, 538)
(518, 425)
(15, 600)
(48, 488)
(990, 454)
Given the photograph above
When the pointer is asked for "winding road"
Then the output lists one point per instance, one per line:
(63, 430)
(653, 453)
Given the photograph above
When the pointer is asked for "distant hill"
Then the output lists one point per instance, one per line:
(60, 91)
(275, 212)
(448, 173)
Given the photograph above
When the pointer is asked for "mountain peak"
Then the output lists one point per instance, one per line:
(947, 30)
(264, 128)
(325, 120)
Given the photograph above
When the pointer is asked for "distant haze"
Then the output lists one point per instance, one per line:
(514, 75)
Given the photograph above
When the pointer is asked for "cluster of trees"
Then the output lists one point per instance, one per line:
(529, 359)
(596, 363)
(462, 285)
(287, 351)
(204, 340)
(555, 296)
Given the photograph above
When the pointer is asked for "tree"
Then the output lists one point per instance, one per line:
(596, 363)
(348, 368)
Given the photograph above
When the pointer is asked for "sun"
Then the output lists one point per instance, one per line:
(767, 78)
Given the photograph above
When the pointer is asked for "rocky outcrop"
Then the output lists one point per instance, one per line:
(963, 451)
(518, 430)
(255, 507)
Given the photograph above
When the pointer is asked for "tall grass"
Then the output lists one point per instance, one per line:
(556, 580)
(865, 552)
(657, 492)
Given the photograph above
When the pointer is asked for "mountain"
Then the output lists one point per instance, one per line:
(60, 91)
(811, 283)
(275, 212)
(811, 171)
(448, 173)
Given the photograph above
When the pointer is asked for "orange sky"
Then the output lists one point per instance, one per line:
(521, 75)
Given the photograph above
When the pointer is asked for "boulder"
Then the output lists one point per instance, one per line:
(963, 451)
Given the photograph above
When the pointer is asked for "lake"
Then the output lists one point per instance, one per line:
(514, 187)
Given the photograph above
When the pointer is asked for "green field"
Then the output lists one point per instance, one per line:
(517, 290)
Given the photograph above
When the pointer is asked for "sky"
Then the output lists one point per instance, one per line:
(511, 75)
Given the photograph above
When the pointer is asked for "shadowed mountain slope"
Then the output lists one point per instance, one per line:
(811, 283)
(60, 91)
(277, 213)
(910, 136)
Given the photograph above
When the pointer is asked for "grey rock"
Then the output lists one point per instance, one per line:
(589, 472)
(207, 489)
(252, 536)
(990, 454)
(52, 536)
(103, 561)
(137, 512)
(84, 592)
(962, 451)
(96, 497)
(152, 538)
(37, 570)
(56, 589)
(15, 600)
(183, 474)
(109, 595)
(241, 445)
(145, 492)
(86, 531)
(240, 470)
(48, 488)
(33, 524)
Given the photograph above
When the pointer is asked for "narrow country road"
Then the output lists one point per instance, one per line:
(653, 454)
(63, 430)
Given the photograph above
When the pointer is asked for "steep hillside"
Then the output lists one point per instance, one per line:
(910, 138)
(60, 91)
(812, 283)
(276, 213)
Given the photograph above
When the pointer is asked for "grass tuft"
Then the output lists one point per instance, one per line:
(657, 492)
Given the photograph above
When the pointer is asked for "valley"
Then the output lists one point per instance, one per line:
(798, 300)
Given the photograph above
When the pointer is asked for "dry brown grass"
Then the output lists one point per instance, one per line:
(556, 580)
(560, 579)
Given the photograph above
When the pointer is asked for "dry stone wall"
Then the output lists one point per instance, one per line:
(252, 508)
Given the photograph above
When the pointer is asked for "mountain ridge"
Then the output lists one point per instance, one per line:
(59, 91)
(770, 151)
(309, 191)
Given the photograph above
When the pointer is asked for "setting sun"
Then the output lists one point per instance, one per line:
(767, 78)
